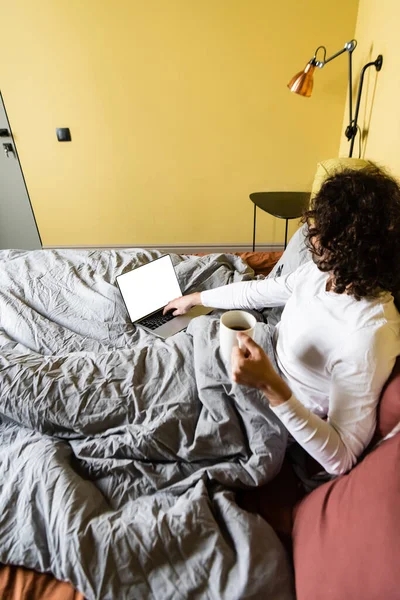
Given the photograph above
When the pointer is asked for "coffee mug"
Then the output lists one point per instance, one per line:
(231, 322)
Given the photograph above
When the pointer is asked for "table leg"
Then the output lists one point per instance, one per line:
(286, 228)
(254, 228)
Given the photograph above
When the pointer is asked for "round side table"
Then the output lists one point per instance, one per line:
(284, 205)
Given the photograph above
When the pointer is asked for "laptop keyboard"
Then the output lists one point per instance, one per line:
(157, 320)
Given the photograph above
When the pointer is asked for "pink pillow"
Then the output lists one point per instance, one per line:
(346, 533)
(389, 406)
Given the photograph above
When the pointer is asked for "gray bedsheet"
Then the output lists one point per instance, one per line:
(120, 452)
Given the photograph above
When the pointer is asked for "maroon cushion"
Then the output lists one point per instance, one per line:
(346, 533)
(389, 406)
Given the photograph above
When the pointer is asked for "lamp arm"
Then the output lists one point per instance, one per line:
(351, 130)
(348, 47)
(335, 55)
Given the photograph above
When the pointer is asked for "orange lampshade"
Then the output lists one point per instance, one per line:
(302, 83)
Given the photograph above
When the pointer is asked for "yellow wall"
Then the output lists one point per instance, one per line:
(178, 109)
(377, 32)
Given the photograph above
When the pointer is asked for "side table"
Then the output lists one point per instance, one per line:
(284, 205)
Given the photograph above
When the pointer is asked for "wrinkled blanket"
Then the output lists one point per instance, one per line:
(120, 452)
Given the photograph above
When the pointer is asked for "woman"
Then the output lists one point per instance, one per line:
(339, 334)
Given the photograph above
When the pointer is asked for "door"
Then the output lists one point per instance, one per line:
(17, 222)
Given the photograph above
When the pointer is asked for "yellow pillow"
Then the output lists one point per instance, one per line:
(330, 166)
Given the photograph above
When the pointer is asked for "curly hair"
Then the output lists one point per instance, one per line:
(354, 231)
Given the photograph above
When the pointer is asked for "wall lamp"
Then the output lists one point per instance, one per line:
(302, 83)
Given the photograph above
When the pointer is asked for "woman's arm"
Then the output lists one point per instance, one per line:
(259, 294)
(337, 442)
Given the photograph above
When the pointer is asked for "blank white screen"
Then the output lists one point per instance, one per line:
(149, 288)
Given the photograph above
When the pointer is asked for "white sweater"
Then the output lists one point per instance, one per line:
(334, 352)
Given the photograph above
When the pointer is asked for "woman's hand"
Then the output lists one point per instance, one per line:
(182, 305)
(252, 367)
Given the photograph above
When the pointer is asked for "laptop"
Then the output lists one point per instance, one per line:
(147, 289)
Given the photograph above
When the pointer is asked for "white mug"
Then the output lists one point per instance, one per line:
(230, 323)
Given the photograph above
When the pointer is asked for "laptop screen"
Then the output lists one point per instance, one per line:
(149, 287)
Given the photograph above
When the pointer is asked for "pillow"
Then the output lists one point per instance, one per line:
(346, 533)
(389, 406)
(295, 254)
(330, 166)
(261, 262)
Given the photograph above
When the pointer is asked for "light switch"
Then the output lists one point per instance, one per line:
(63, 134)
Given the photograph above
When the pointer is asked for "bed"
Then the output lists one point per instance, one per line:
(121, 454)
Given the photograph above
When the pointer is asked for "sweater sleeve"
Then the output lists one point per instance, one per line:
(356, 384)
(257, 294)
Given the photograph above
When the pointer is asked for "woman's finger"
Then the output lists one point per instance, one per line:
(248, 343)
